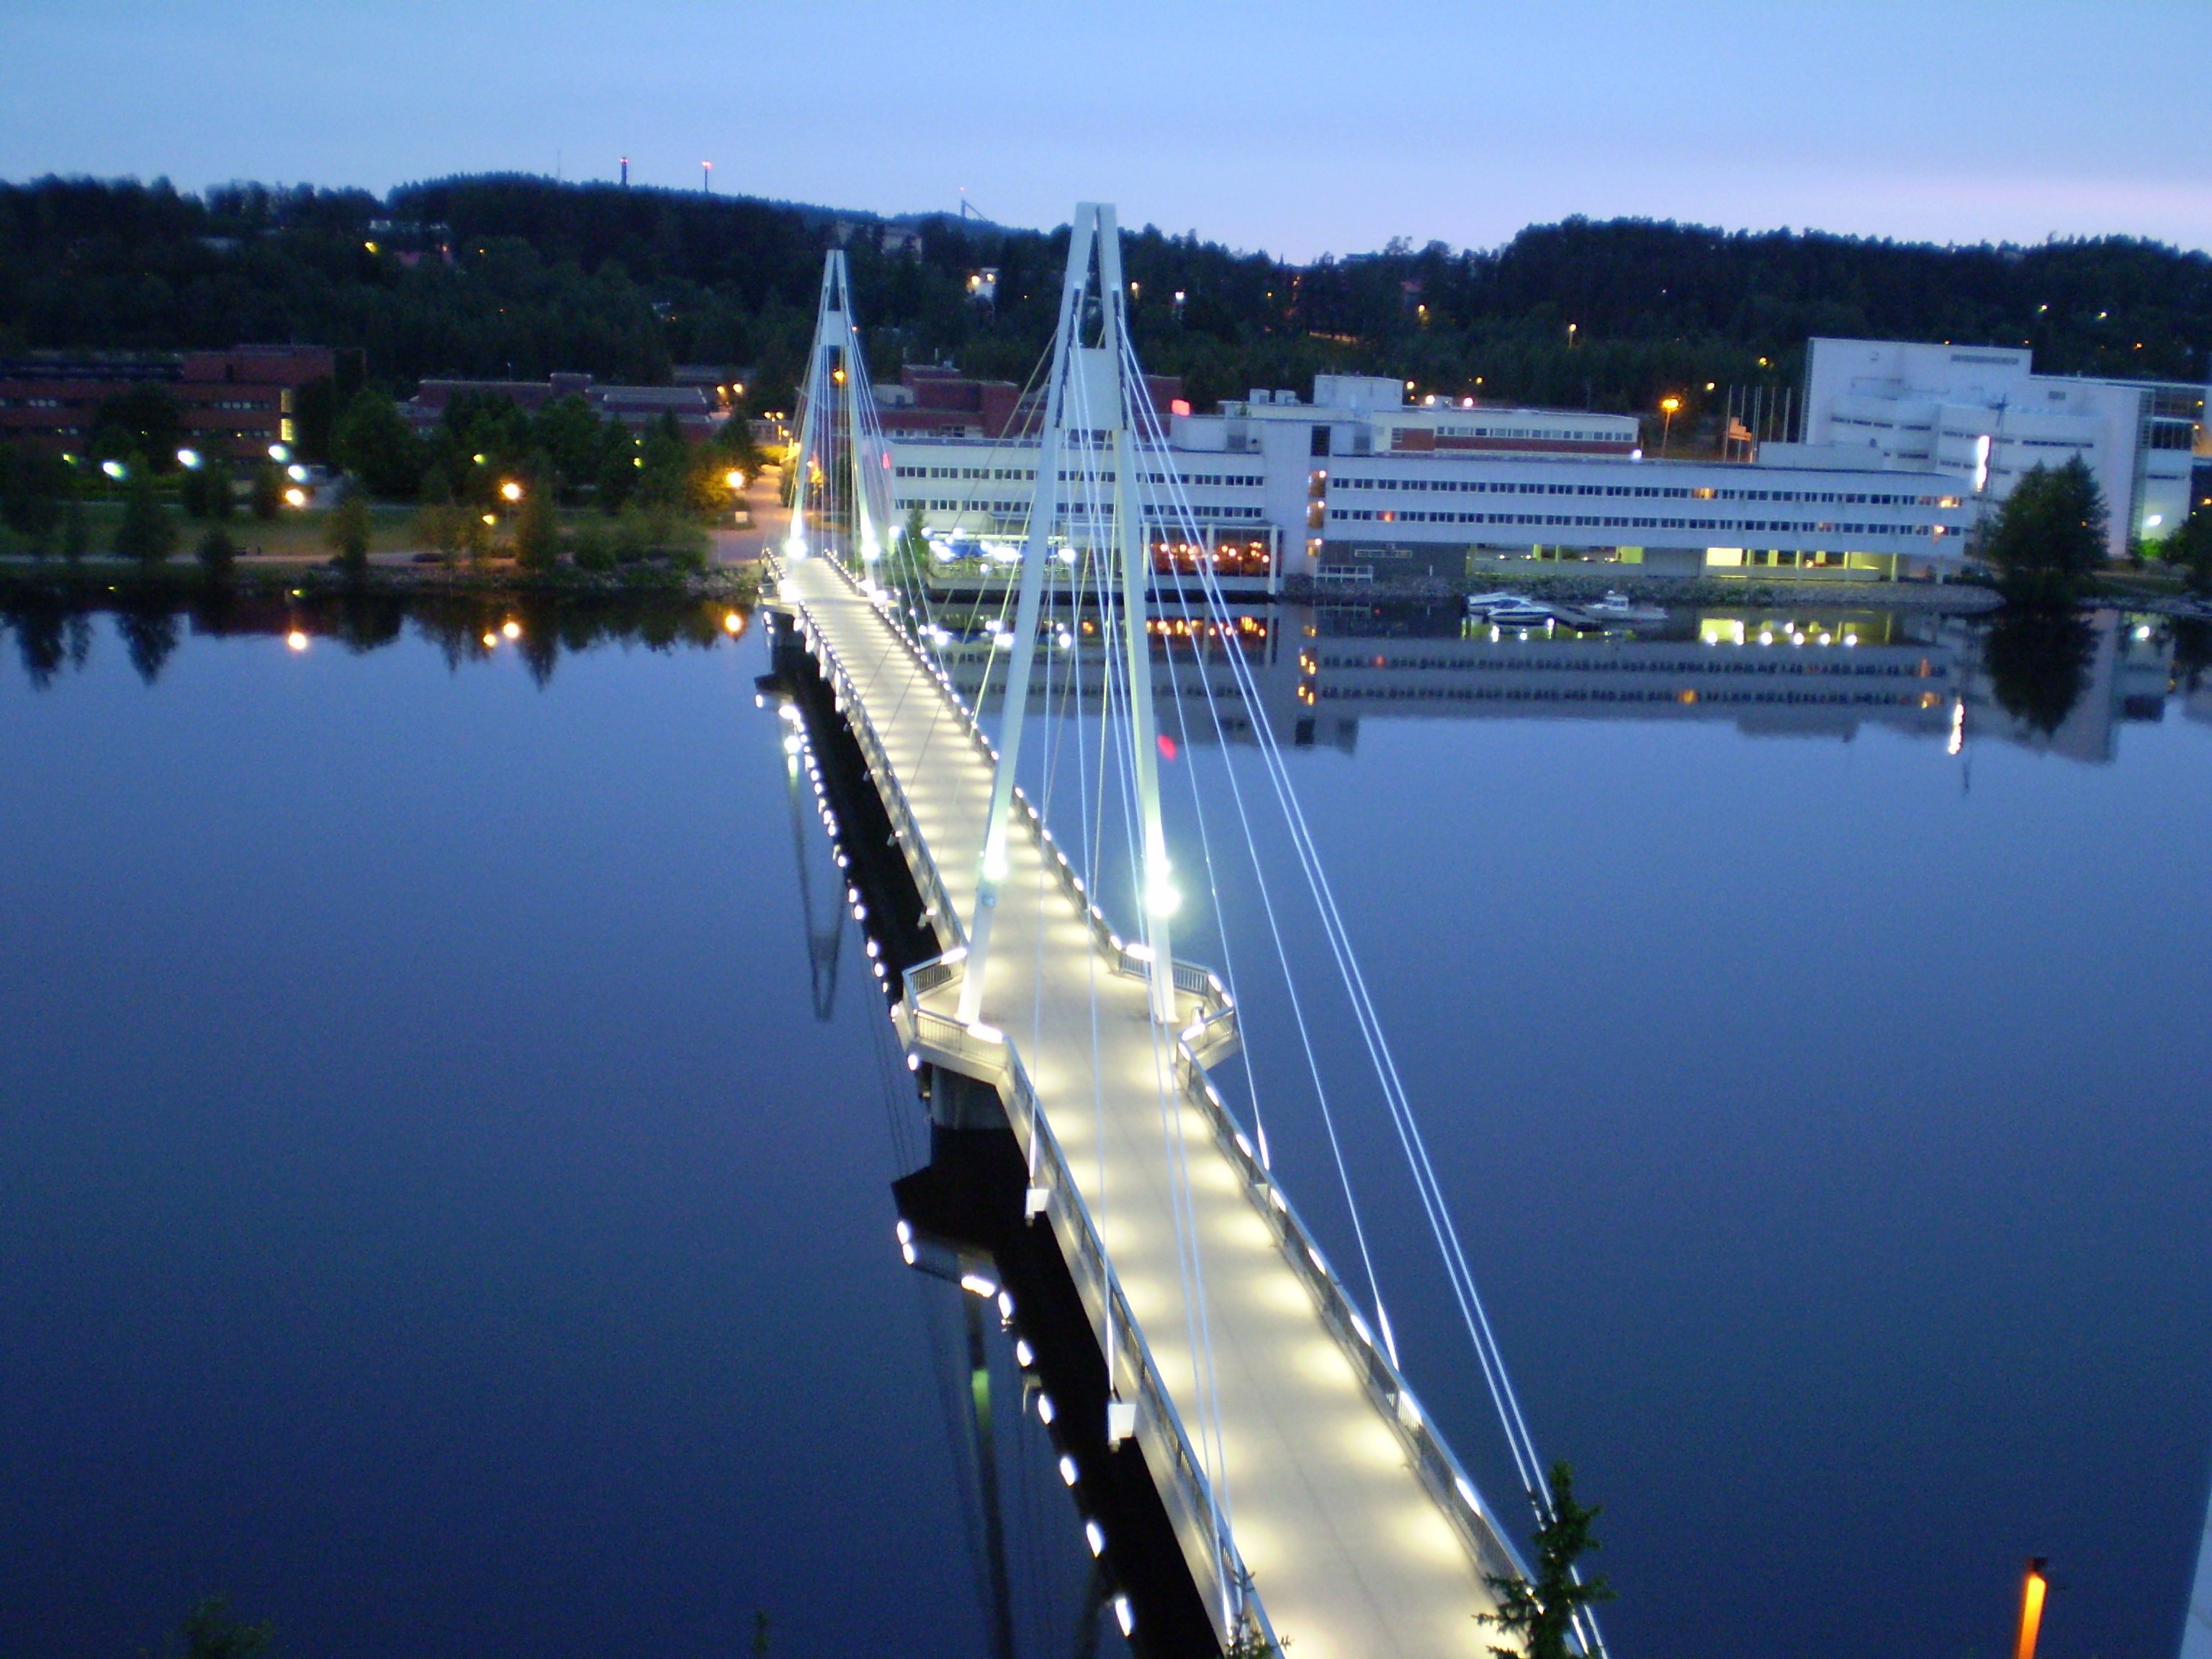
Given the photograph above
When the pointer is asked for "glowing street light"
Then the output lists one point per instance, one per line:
(297, 638)
(510, 491)
(1667, 407)
(735, 479)
(295, 496)
(2031, 1592)
(512, 629)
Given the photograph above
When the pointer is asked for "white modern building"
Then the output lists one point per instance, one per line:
(1982, 416)
(1361, 483)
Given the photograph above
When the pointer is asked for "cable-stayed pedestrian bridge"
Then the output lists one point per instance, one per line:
(1312, 1499)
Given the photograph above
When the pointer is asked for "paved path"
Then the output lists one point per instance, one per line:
(1351, 1553)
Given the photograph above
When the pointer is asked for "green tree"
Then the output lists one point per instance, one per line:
(2049, 537)
(268, 492)
(663, 480)
(76, 529)
(569, 434)
(346, 533)
(145, 420)
(374, 441)
(2190, 550)
(33, 490)
(147, 533)
(217, 553)
(209, 1632)
(206, 491)
(536, 528)
(1542, 1614)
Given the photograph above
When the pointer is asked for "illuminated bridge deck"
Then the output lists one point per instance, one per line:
(1361, 1537)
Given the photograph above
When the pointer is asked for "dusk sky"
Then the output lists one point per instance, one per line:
(1295, 127)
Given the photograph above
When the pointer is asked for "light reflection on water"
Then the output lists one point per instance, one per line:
(429, 1200)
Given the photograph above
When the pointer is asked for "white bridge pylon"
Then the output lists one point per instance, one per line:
(1086, 454)
(840, 502)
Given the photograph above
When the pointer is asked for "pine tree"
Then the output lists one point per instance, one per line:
(268, 492)
(537, 532)
(217, 553)
(346, 533)
(147, 533)
(1542, 1615)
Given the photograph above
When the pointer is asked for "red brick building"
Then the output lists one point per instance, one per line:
(699, 411)
(942, 402)
(235, 403)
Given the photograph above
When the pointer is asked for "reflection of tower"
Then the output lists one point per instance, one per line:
(822, 942)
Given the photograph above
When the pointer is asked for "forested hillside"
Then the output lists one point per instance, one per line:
(622, 283)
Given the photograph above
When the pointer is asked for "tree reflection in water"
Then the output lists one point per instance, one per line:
(51, 633)
(2037, 658)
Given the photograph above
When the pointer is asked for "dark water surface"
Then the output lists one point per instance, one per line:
(433, 1214)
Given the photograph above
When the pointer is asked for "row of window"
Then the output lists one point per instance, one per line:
(1606, 694)
(1205, 510)
(1774, 526)
(1703, 493)
(987, 474)
(1535, 432)
(1734, 661)
(1199, 480)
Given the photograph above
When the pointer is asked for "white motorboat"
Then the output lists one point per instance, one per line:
(1617, 607)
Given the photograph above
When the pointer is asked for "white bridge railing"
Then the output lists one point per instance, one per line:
(1208, 1037)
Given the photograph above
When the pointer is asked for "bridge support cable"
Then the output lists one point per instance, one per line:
(1044, 503)
(1458, 1271)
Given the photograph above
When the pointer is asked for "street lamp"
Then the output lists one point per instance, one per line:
(1666, 408)
(735, 479)
(510, 491)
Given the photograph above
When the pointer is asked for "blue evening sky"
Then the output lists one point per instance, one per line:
(1293, 126)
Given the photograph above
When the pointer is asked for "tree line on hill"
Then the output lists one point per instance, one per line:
(500, 275)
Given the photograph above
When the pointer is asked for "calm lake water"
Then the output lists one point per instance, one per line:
(445, 1208)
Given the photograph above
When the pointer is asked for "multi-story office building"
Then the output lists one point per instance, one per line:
(699, 409)
(234, 403)
(1361, 483)
(1982, 416)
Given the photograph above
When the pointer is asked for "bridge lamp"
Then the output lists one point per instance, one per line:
(189, 459)
(115, 470)
(279, 453)
(1067, 1471)
(1095, 1535)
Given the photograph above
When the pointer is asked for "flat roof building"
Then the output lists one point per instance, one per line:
(1982, 416)
(699, 409)
(1361, 484)
(235, 403)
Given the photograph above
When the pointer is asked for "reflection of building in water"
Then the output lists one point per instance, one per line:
(2196, 1626)
(2128, 671)
(1819, 674)
(1801, 673)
